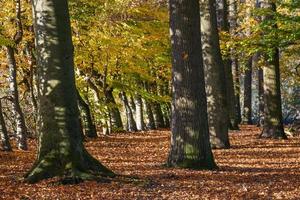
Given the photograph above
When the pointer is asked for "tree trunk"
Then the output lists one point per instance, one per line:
(90, 127)
(214, 77)
(4, 138)
(116, 121)
(190, 146)
(139, 117)
(273, 124)
(21, 131)
(237, 89)
(61, 151)
(225, 24)
(158, 115)
(130, 125)
(260, 97)
(150, 122)
(247, 109)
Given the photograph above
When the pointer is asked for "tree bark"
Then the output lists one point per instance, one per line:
(247, 109)
(21, 130)
(139, 115)
(237, 89)
(190, 146)
(61, 151)
(158, 115)
(4, 138)
(130, 125)
(214, 77)
(273, 124)
(90, 127)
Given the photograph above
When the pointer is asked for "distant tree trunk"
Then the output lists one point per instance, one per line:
(61, 151)
(130, 125)
(150, 122)
(158, 115)
(260, 97)
(5, 144)
(90, 127)
(214, 77)
(225, 26)
(116, 121)
(190, 146)
(237, 89)
(247, 109)
(139, 115)
(273, 124)
(167, 115)
(21, 131)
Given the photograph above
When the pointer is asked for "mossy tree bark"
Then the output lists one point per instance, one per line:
(4, 138)
(214, 76)
(60, 151)
(273, 123)
(190, 146)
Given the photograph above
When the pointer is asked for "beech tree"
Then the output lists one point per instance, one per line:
(273, 124)
(61, 151)
(214, 77)
(190, 146)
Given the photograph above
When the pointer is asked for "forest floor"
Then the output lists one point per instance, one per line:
(251, 169)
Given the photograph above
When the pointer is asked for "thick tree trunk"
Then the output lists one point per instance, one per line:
(139, 115)
(130, 125)
(90, 127)
(214, 77)
(61, 151)
(21, 131)
(190, 146)
(273, 123)
(4, 138)
(247, 109)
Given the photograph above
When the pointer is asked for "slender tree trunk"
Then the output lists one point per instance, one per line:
(224, 12)
(273, 123)
(61, 151)
(247, 109)
(130, 125)
(150, 122)
(190, 146)
(214, 77)
(158, 115)
(90, 127)
(4, 138)
(237, 89)
(139, 116)
(116, 121)
(21, 131)
(260, 97)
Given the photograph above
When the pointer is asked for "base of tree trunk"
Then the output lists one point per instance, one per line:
(71, 170)
(192, 164)
(273, 133)
(219, 146)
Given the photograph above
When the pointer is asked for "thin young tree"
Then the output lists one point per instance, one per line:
(214, 76)
(61, 151)
(190, 146)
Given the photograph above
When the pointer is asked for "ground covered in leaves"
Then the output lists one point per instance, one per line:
(251, 169)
